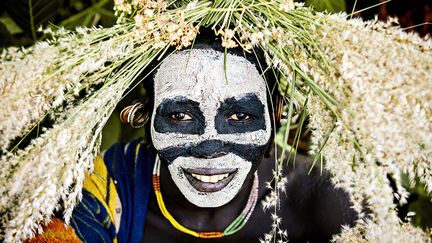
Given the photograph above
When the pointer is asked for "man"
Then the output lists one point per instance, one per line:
(202, 177)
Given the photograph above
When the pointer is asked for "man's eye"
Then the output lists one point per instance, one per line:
(239, 117)
(180, 116)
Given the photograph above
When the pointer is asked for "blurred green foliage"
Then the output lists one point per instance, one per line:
(420, 203)
(333, 6)
(20, 19)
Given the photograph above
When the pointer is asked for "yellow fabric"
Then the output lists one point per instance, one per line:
(137, 151)
(99, 184)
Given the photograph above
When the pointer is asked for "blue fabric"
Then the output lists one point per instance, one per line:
(133, 178)
(91, 221)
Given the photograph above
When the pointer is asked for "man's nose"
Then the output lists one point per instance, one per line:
(209, 149)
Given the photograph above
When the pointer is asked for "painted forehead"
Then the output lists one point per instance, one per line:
(199, 74)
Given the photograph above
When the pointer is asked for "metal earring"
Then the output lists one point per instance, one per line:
(136, 115)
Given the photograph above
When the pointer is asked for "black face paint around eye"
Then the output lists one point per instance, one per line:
(171, 116)
(214, 148)
(248, 105)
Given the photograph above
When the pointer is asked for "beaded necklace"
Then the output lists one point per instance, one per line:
(232, 228)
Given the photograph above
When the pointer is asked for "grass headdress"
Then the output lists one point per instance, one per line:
(365, 86)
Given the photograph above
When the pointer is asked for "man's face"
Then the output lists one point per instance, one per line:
(211, 130)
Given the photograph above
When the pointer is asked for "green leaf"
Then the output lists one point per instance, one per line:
(30, 14)
(332, 6)
(86, 16)
(10, 25)
(4, 35)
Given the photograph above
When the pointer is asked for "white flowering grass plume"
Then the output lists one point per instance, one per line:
(365, 86)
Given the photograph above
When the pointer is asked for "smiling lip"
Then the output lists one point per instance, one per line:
(209, 179)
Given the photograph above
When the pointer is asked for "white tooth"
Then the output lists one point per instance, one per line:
(214, 178)
(205, 178)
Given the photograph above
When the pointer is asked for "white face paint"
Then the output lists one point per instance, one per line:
(209, 199)
(198, 76)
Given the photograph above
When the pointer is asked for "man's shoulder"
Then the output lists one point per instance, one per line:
(311, 190)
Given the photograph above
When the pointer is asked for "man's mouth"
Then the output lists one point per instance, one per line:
(209, 179)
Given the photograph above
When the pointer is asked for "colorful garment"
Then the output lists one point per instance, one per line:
(115, 198)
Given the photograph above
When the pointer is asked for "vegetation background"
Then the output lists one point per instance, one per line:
(21, 19)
